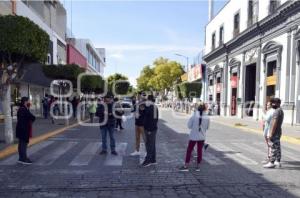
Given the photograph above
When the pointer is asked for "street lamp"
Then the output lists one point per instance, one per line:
(187, 61)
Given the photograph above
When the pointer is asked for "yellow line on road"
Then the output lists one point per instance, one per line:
(284, 138)
(14, 148)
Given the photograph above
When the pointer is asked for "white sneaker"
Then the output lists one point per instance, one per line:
(277, 164)
(269, 165)
(135, 153)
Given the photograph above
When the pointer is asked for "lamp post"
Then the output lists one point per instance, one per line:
(187, 61)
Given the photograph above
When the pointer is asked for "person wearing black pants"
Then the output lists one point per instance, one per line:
(150, 128)
(23, 130)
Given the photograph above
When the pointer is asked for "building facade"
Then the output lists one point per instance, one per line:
(51, 17)
(252, 53)
(75, 57)
(95, 60)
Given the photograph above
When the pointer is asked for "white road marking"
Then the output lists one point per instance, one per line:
(86, 155)
(31, 150)
(112, 160)
(53, 155)
(212, 159)
(237, 157)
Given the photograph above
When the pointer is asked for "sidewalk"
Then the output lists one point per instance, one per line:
(40, 127)
(292, 132)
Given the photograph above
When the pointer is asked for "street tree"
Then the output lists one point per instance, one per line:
(143, 81)
(21, 41)
(119, 82)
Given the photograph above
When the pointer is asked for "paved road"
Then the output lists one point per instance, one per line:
(68, 165)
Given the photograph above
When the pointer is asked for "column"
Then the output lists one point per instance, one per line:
(225, 87)
(257, 89)
(293, 72)
(278, 73)
(242, 87)
(288, 62)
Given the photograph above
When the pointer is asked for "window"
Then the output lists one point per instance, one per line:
(213, 41)
(218, 80)
(271, 70)
(221, 35)
(252, 12)
(211, 82)
(274, 4)
(236, 25)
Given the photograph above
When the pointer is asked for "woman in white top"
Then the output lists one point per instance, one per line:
(267, 125)
(198, 125)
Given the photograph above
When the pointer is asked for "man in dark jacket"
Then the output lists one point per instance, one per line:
(150, 127)
(23, 130)
(107, 124)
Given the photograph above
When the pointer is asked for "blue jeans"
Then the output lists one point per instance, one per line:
(110, 130)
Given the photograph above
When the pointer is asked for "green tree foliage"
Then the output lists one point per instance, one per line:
(63, 72)
(143, 81)
(189, 90)
(92, 83)
(120, 88)
(161, 76)
(21, 41)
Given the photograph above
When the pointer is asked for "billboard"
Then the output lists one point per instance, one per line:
(195, 73)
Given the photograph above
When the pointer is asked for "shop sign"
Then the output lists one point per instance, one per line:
(271, 80)
(195, 73)
(184, 77)
(234, 81)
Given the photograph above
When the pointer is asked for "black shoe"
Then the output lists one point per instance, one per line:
(24, 162)
(153, 163)
(184, 169)
(114, 153)
(146, 164)
(29, 161)
(103, 152)
(122, 128)
(206, 146)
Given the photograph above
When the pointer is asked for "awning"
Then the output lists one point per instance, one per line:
(34, 75)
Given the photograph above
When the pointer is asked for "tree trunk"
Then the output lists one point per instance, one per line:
(6, 104)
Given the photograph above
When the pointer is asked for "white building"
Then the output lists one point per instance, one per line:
(95, 56)
(252, 50)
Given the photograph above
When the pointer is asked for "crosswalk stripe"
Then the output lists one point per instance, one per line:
(111, 160)
(251, 149)
(56, 153)
(31, 150)
(237, 157)
(86, 155)
(212, 159)
(285, 153)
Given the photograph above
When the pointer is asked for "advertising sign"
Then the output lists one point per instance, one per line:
(234, 81)
(195, 73)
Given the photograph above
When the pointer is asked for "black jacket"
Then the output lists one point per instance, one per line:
(151, 118)
(140, 114)
(24, 120)
(101, 113)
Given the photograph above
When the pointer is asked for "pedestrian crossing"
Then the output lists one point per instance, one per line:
(82, 154)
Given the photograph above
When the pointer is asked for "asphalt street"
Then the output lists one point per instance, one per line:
(69, 165)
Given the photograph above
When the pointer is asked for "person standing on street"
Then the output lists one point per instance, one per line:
(275, 134)
(74, 106)
(139, 111)
(198, 125)
(150, 127)
(24, 130)
(45, 104)
(119, 113)
(107, 124)
(266, 126)
(92, 108)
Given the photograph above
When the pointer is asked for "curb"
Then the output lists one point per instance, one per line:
(14, 148)
(284, 138)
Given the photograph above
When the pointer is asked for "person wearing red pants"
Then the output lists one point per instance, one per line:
(198, 125)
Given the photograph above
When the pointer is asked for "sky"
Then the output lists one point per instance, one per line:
(135, 33)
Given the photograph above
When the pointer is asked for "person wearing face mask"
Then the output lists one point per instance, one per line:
(275, 134)
(266, 127)
(24, 129)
